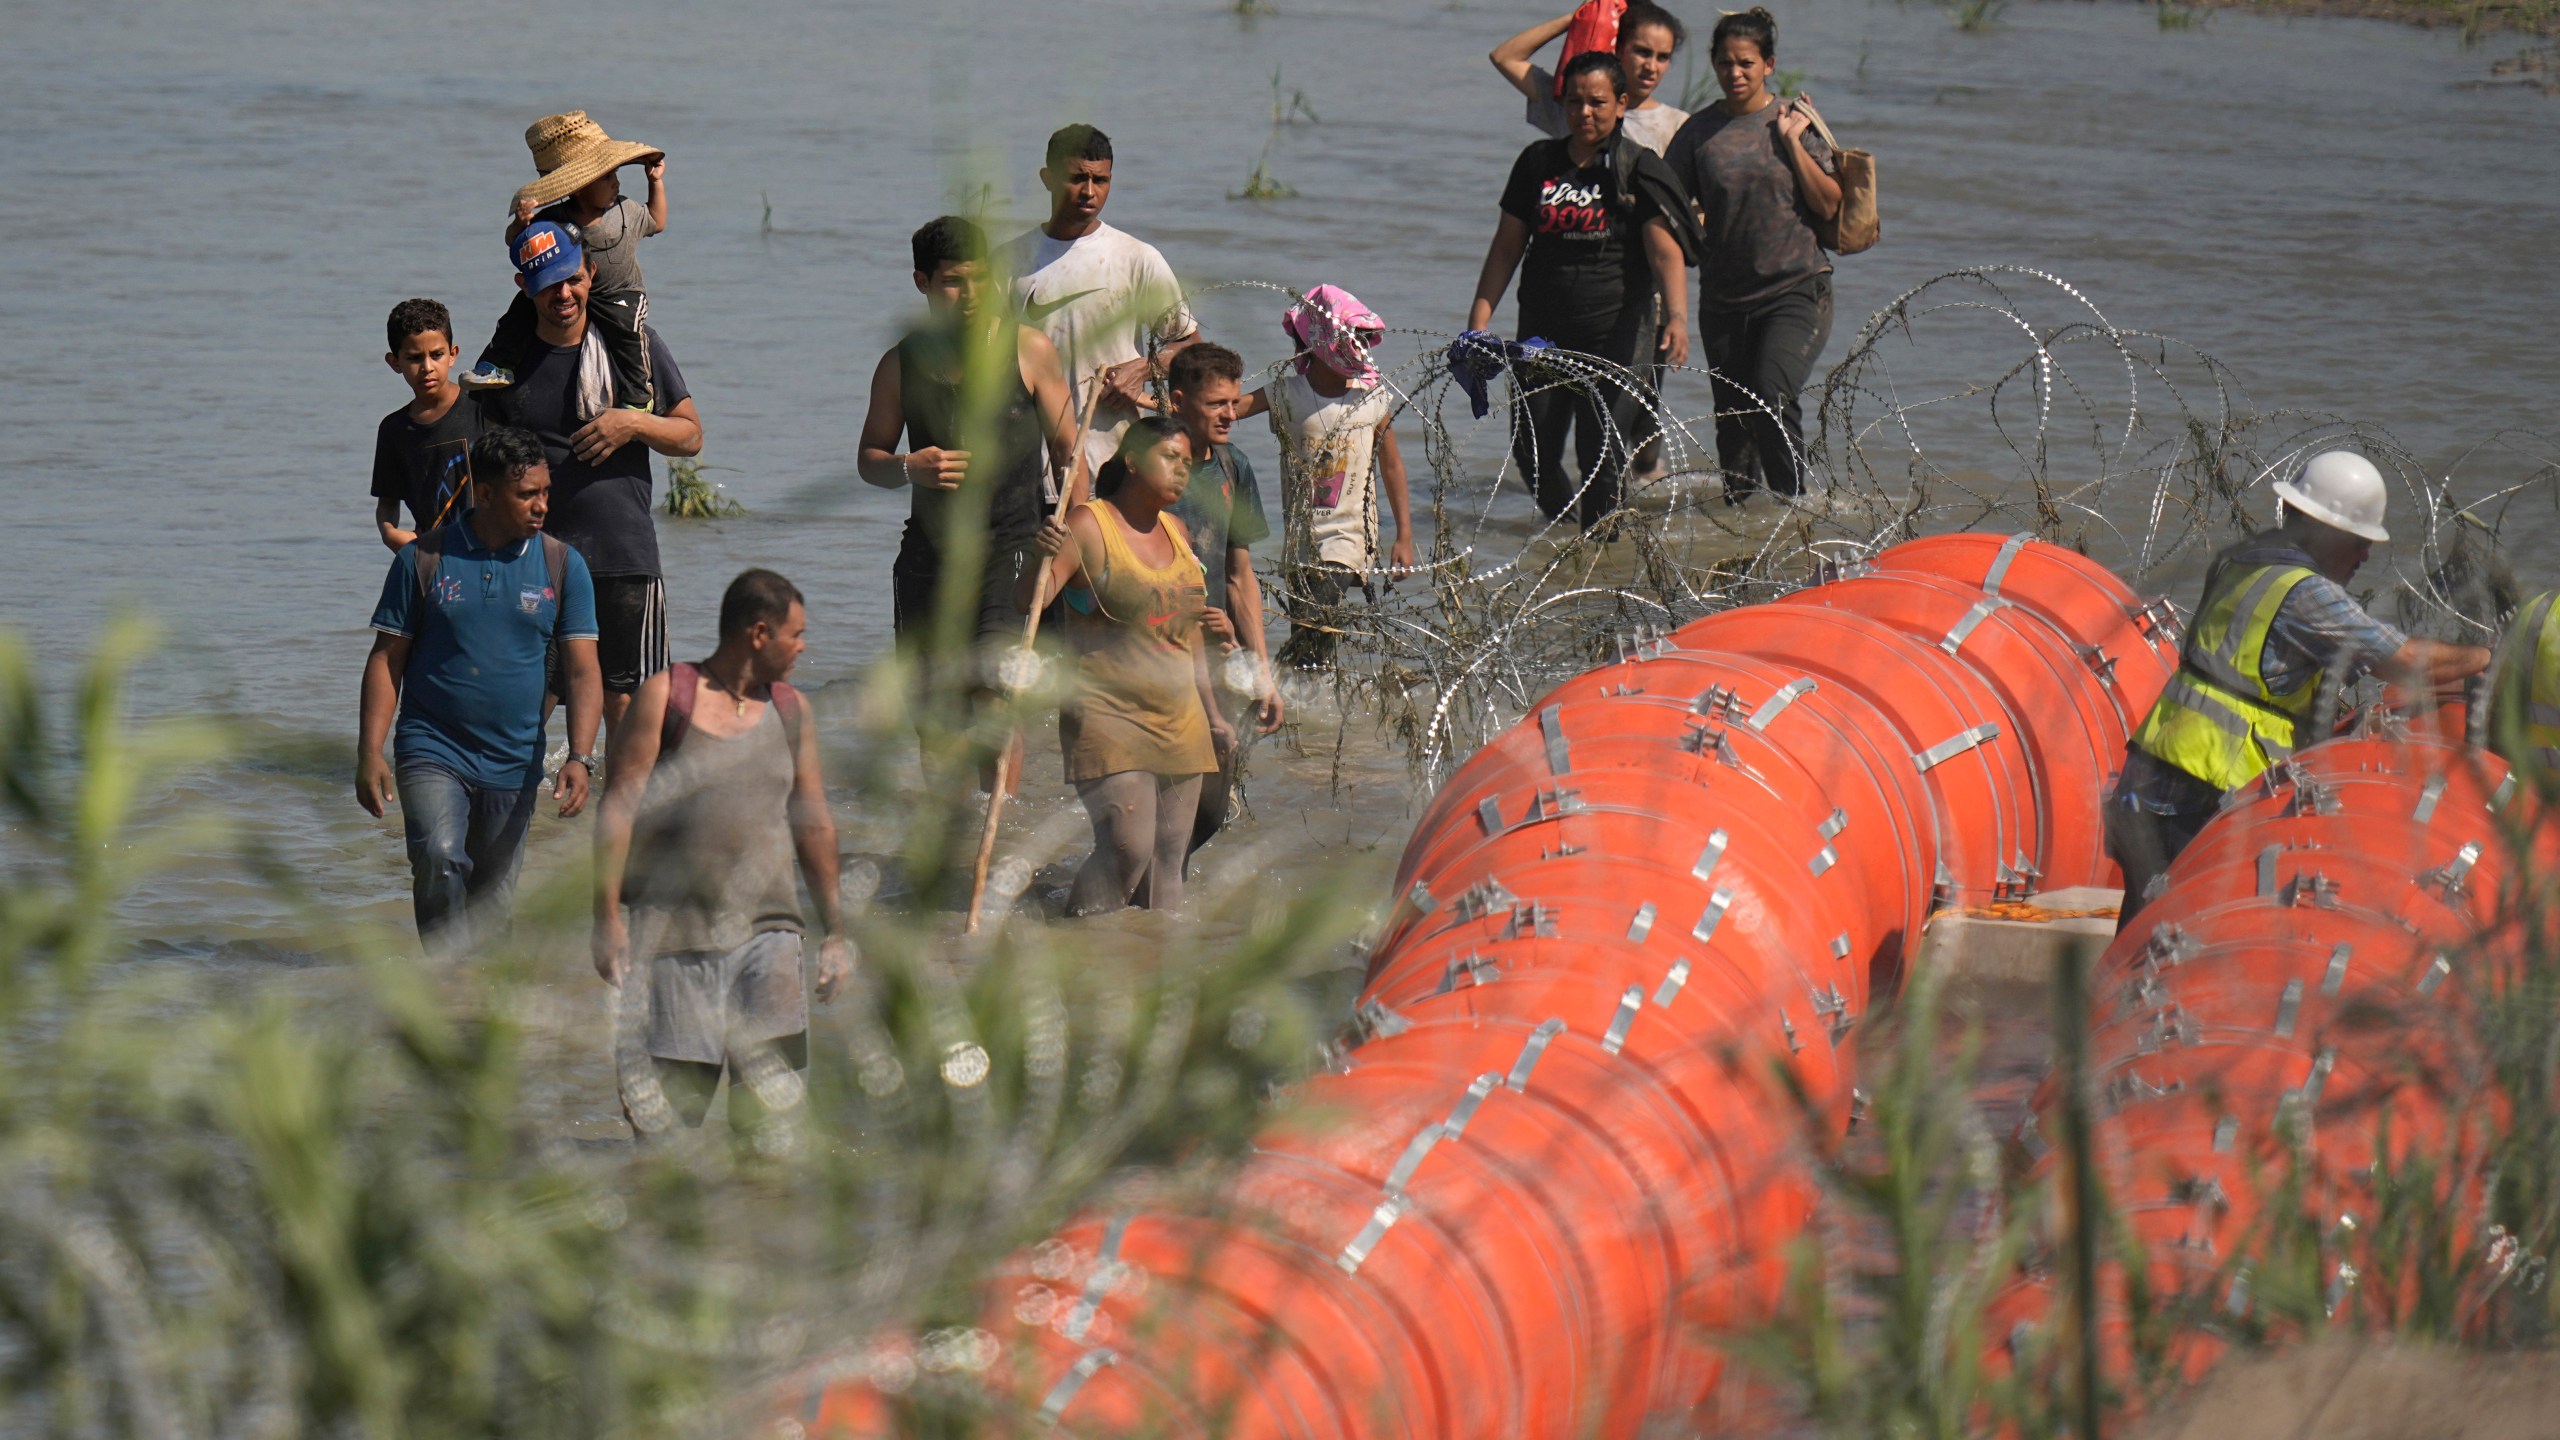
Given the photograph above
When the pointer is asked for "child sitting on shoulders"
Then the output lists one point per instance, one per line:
(581, 190)
(1336, 426)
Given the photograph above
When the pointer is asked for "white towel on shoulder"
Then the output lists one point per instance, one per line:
(595, 377)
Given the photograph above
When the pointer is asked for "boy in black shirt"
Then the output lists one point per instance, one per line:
(420, 451)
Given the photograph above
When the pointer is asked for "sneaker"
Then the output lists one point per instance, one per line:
(485, 376)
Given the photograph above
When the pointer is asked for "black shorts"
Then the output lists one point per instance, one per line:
(915, 582)
(631, 633)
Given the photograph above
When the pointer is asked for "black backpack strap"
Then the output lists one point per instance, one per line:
(555, 558)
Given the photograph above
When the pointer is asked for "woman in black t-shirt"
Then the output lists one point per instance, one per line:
(1589, 223)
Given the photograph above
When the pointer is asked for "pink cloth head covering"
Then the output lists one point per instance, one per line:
(1332, 325)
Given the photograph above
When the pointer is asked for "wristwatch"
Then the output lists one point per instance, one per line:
(587, 760)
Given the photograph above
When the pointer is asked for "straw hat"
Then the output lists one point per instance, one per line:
(571, 151)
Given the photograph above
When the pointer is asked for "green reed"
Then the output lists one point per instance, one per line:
(691, 497)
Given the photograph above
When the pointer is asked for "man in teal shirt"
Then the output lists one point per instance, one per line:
(466, 619)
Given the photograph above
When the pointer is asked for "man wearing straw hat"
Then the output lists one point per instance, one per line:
(599, 454)
(580, 190)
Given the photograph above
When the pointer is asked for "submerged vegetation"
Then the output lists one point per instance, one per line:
(691, 497)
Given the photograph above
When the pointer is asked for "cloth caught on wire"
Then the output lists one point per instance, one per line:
(1478, 357)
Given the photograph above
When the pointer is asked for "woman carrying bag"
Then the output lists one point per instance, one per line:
(1766, 185)
(1596, 227)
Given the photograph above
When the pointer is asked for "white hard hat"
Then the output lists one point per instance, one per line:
(2342, 489)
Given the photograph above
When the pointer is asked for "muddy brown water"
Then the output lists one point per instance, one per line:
(210, 212)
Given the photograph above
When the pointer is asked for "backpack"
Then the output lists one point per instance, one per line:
(430, 558)
(682, 678)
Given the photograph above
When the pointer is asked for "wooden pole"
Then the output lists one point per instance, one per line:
(1030, 632)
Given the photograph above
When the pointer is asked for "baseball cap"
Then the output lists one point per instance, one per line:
(546, 254)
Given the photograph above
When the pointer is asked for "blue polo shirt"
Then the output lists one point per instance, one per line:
(471, 699)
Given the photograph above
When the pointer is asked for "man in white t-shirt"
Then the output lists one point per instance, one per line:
(1648, 36)
(1105, 298)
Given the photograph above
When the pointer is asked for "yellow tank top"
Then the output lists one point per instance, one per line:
(1136, 704)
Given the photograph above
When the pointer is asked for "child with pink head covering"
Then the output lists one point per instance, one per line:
(1336, 424)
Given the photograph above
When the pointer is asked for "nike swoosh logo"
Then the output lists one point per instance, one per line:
(1037, 312)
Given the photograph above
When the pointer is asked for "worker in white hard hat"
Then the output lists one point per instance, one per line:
(2275, 622)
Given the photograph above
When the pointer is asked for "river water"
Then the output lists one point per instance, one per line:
(209, 209)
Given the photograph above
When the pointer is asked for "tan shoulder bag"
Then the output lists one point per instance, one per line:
(1855, 228)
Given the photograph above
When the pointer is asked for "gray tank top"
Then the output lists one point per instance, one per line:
(712, 864)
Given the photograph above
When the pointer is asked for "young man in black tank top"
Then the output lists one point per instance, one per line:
(986, 504)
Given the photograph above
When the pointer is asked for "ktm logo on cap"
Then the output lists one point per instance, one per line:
(539, 246)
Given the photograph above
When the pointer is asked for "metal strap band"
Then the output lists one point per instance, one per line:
(1840, 946)
(2225, 1131)
(1705, 929)
(1955, 745)
(1539, 1039)
(1551, 722)
(2505, 792)
(1642, 925)
(1672, 980)
(1471, 965)
(2336, 977)
(1707, 858)
(1779, 699)
(1106, 1273)
(1625, 1019)
(1824, 859)
(1423, 1139)
(1421, 897)
(1963, 629)
(2287, 1007)
(2452, 873)
(2319, 1081)
(1489, 813)
(1381, 1220)
(2428, 795)
(2435, 976)
(1378, 1019)
(1999, 570)
(1063, 1394)
(2267, 870)
(1465, 1109)
(1830, 829)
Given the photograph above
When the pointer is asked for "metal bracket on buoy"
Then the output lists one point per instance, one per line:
(2505, 792)
(1381, 1220)
(2437, 972)
(1533, 918)
(1672, 980)
(1106, 1273)
(1063, 1394)
(1539, 1040)
(1628, 1004)
(1705, 739)
(1642, 925)
(1705, 929)
(2336, 975)
(2454, 874)
(1480, 899)
(1707, 858)
(1553, 802)
(1779, 699)
(2315, 889)
(1471, 965)
(1559, 755)
(2288, 1007)
(2428, 795)
(2000, 563)
(1963, 629)
(1954, 745)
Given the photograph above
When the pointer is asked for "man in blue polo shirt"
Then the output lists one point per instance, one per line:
(458, 650)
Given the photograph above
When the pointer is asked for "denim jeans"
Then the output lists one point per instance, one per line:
(466, 843)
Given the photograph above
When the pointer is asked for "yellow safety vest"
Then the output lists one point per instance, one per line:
(2525, 710)
(2217, 720)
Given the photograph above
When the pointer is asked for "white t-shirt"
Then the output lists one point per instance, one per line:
(1651, 127)
(1328, 453)
(1097, 298)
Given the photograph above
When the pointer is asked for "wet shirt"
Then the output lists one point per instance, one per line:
(931, 363)
(612, 241)
(424, 466)
(601, 510)
(1103, 299)
(1219, 511)
(1586, 257)
(471, 697)
(1758, 237)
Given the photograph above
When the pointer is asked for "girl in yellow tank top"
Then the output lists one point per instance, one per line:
(1139, 727)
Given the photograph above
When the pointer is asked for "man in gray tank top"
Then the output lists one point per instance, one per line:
(715, 811)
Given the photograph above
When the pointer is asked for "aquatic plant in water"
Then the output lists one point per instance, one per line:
(690, 497)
